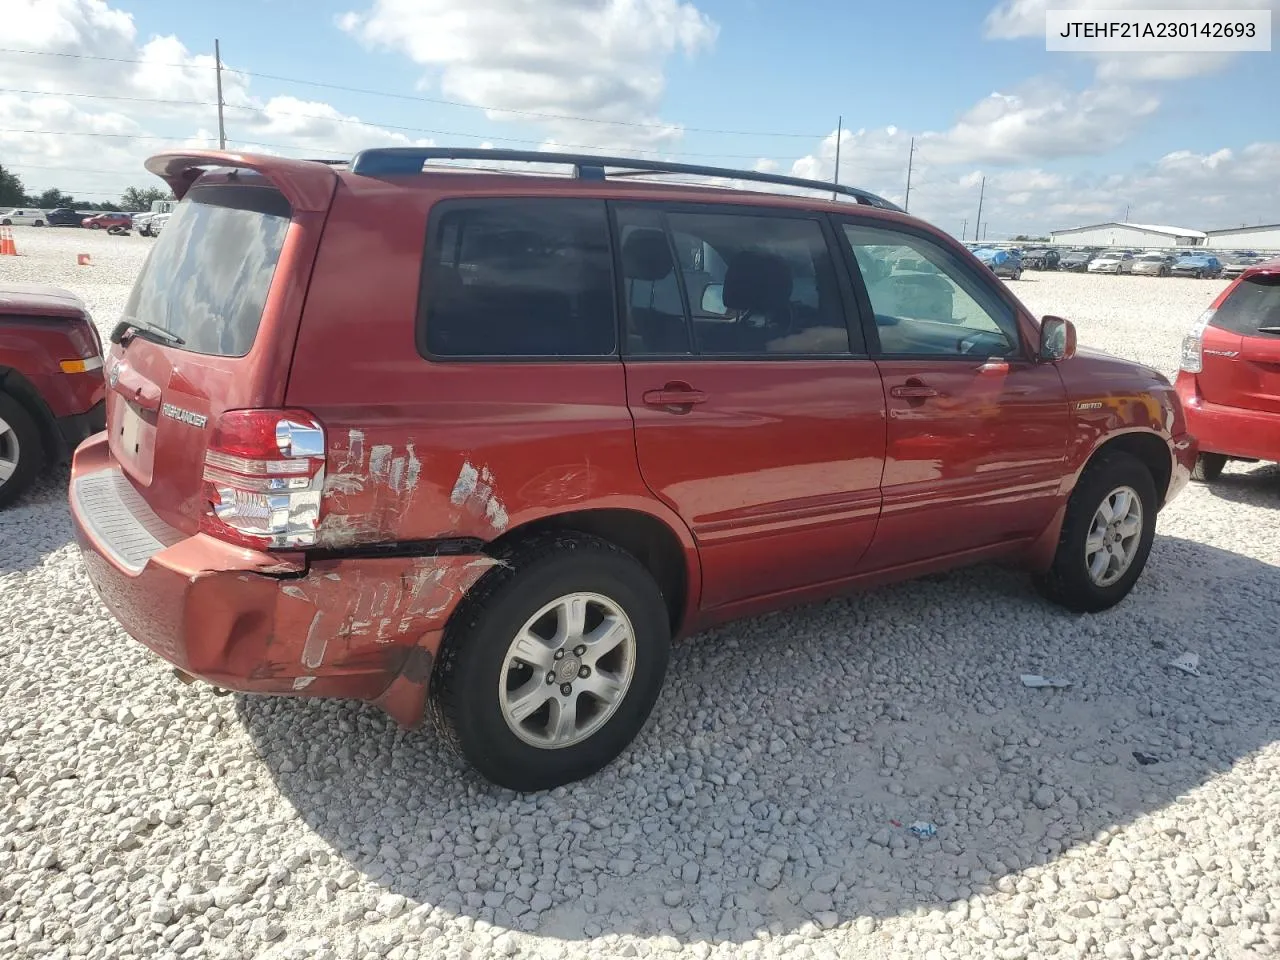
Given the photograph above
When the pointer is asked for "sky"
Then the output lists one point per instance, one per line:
(90, 88)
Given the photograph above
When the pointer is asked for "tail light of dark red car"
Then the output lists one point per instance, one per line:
(264, 478)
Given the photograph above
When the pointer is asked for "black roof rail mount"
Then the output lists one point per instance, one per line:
(392, 161)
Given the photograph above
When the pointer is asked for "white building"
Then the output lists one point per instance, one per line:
(1266, 237)
(1143, 235)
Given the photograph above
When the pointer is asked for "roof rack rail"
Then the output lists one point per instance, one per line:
(390, 161)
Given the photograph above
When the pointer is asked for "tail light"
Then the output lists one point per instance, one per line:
(1192, 344)
(263, 478)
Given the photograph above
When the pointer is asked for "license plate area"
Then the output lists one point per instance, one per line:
(133, 440)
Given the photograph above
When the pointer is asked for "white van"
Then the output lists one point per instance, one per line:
(25, 217)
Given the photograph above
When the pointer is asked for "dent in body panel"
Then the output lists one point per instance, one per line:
(348, 609)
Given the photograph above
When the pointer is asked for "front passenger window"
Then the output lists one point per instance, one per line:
(924, 301)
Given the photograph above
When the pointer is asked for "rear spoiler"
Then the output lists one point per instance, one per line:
(306, 184)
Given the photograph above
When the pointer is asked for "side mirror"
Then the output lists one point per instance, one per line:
(1057, 340)
(713, 299)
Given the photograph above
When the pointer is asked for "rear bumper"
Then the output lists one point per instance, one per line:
(1233, 431)
(366, 629)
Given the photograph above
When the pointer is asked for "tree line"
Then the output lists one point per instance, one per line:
(13, 194)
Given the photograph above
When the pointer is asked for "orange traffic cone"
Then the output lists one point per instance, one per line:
(7, 247)
(82, 259)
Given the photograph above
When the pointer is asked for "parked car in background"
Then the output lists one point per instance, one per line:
(51, 387)
(1075, 261)
(1041, 258)
(157, 223)
(1119, 262)
(1153, 264)
(1199, 265)
(1003, 263)
(111, 222)
(1234, 266)
(464, 550)
(64, 217)
(23, 217)
(1230, 378)
(142, 221)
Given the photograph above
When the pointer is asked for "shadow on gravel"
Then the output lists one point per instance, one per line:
(1257, 485)
(37, 524)
(789, 754)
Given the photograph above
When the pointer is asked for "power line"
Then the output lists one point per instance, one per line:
(421, 99)
(376, 123)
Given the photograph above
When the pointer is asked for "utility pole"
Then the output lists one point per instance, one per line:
(963, 227)
(1126, 213)
(906, 203)
(835, 177)
(981, 193)
(984, 232)
(222, 130)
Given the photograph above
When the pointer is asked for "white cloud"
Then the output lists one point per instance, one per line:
(1041, 122)
(598, 59)
(1020, 19)
(78, 98)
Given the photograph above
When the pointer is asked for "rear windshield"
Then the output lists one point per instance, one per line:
(206, 280)
(1255, 304)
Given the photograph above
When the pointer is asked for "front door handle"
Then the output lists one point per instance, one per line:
(676, 396)
(913, 390)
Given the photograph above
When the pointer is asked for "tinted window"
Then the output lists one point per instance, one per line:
(925, 302)
(656, 322)
(1253, 305)
(206, 279)
(752, 285)
(519, 278)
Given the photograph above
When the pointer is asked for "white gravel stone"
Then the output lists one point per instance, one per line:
(142, 818)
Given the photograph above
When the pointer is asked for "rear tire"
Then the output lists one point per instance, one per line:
(38, 223)
(479, 699)
(1070, 582)
(21, 450)
(1208, 467)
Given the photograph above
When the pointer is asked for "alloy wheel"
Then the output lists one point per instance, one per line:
(1114, 536)
(9, 452)
(567, 671)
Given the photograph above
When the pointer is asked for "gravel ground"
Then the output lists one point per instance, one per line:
(757, 816)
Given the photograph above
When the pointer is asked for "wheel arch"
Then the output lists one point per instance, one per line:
(13, 383)
(1149, 448)
(670, 558)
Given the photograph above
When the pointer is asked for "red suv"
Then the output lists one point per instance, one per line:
(1230, 378)
(51, 389)
(487, 441)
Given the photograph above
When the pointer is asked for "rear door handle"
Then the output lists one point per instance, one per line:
(912, 391)
(674, 395)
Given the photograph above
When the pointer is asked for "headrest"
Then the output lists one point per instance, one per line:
(757, 281)
(646, 255)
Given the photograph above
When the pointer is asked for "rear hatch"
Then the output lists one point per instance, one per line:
(1241, 345)
(202, 333)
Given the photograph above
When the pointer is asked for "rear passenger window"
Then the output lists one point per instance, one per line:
(752, 285)
(518, 278)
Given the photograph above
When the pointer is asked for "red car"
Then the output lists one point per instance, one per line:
(487, 441)
(111, 222)
(51, 387)
(1230, 378)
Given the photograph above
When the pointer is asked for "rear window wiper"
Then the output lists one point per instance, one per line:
(127, 329)
(1269, 329)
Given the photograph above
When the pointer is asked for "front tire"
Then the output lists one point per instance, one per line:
(1208, 467)
(1106, 535)
(553, 662)
(21, 451)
